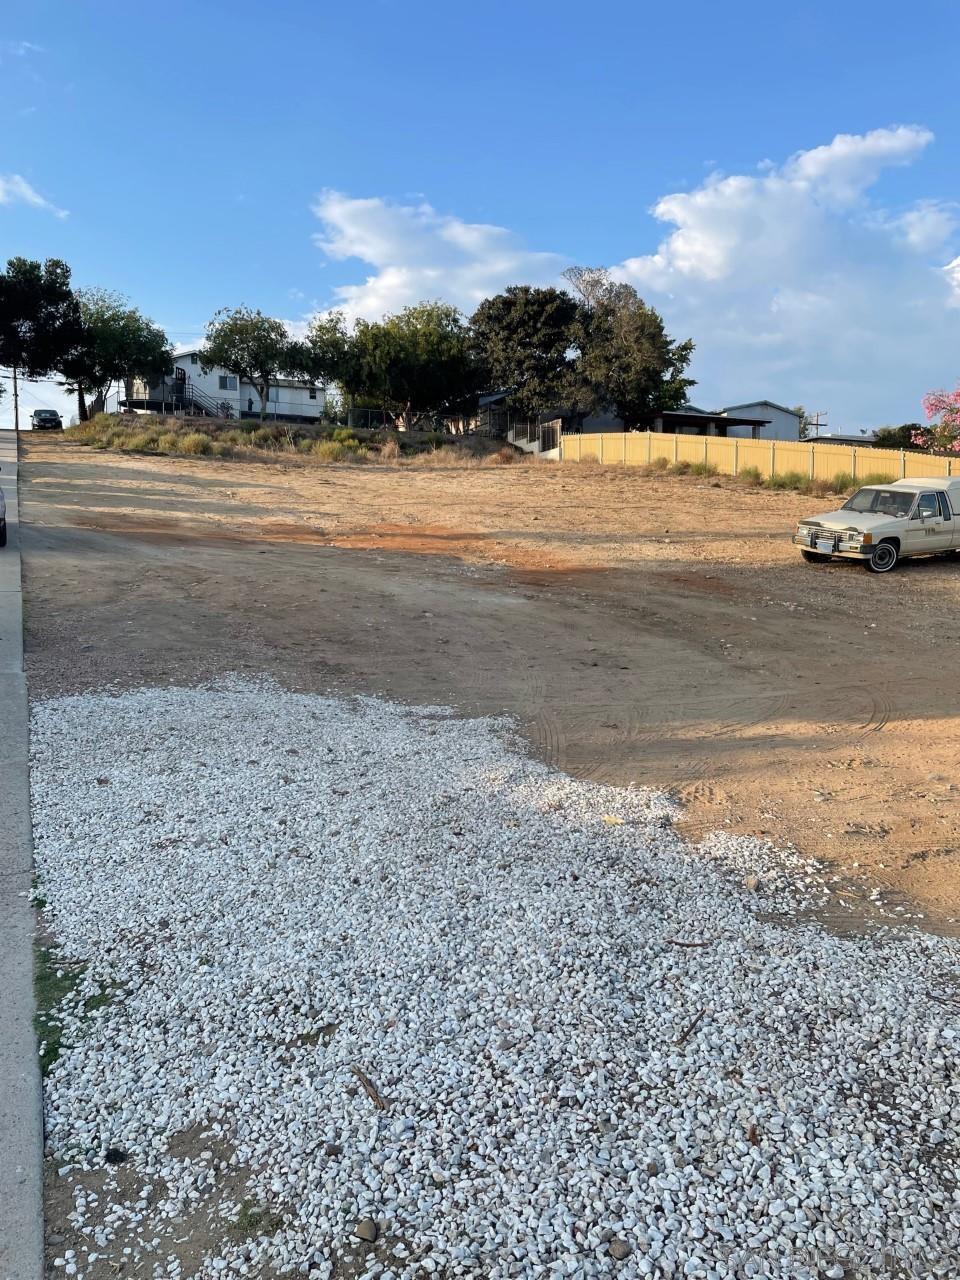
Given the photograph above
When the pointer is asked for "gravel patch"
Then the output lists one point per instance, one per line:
(369, 993)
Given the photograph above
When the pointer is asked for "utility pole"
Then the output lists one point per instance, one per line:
(16, 405)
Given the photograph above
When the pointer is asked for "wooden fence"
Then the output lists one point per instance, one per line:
(771, 458)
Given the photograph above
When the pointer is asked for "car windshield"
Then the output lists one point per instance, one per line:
(881, 502)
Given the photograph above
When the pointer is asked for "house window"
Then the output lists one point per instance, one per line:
(194, 358)
(313, 393)
(228, 382)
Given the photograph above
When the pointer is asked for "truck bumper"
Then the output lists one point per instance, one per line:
(864, 554)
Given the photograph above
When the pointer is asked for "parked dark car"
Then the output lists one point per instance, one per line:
(46, 420)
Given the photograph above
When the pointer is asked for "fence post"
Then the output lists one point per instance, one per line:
(773, 458)
(813, 465)
(624, 438)
(705, 438)
(649, 446)
(676, 447)
(903, 464)
(854, 453)
(601, 446)
(736, 456)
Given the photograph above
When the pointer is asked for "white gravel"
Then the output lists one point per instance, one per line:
(279, 889)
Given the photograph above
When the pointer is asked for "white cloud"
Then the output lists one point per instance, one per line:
(799, 288)
(15, 189)
(796, 283)
(19, 48)
(928, 226)
(418, 253)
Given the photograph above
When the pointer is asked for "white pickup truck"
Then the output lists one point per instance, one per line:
(882, 523)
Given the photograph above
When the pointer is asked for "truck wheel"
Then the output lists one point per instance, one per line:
(812, 557)
(883, 557)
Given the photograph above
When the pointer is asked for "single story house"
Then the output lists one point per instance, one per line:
(756, 420)
(189, 389)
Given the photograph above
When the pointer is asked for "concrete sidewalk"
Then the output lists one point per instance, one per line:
(21, 1132)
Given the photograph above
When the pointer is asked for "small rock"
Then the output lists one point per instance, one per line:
(619, 1249)
(333, 1149)
(113, 1155)
(752, 883)
(366, 1229)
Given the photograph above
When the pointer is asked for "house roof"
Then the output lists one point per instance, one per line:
(748, 404)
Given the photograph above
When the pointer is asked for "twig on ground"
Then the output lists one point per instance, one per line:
(692, 1027)
(371, 1090)
(678, 942)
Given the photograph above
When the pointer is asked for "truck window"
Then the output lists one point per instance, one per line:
(945, 510)
(928, 506)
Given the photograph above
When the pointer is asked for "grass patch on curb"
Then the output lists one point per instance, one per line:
(53, 983)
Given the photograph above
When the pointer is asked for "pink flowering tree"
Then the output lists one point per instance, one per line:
(943, 413)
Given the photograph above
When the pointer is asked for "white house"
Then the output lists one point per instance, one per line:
(191, 389)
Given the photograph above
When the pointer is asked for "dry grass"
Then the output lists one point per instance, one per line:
(339, 445)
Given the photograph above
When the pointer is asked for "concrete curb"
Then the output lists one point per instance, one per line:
(21, 1123)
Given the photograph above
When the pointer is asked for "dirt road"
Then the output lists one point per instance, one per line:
(659, 631)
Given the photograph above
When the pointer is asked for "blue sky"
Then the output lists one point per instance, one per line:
(781, 182)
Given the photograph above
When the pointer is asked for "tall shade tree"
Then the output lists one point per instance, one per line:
(40, 322)
(524, 337)
(117, 343)
(417, 364)
(627, 362)
(255, 347)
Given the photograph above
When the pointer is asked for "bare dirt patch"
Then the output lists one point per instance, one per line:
(656, 630)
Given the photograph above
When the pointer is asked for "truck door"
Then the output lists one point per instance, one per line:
(931, 527)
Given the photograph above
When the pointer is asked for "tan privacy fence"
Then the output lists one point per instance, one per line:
(770, 457)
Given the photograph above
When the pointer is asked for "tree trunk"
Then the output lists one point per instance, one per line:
(262, 390)
(81, 405)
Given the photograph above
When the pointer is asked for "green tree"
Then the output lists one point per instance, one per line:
(117, 342)
(902, 437)
(627, 361)
(40, 323)
(255, 347)
(417, 363)
(524, 339)
(806, 421)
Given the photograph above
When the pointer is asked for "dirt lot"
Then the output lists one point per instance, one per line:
(658, 631)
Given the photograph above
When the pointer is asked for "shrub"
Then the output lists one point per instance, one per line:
(263, 438)
(142, 442)
(220, 449)
(344, 435)
(169, 442)
(843, 482)
(236, 435)
(389, 451)
(750, 475)
(703, 469)
(875, 477)
(680, 469)
(659, 464)
(788, 480)
(196, 442)
(505, 456)
(329, 450)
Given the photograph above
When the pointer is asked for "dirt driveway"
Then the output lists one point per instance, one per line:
(658, 631)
